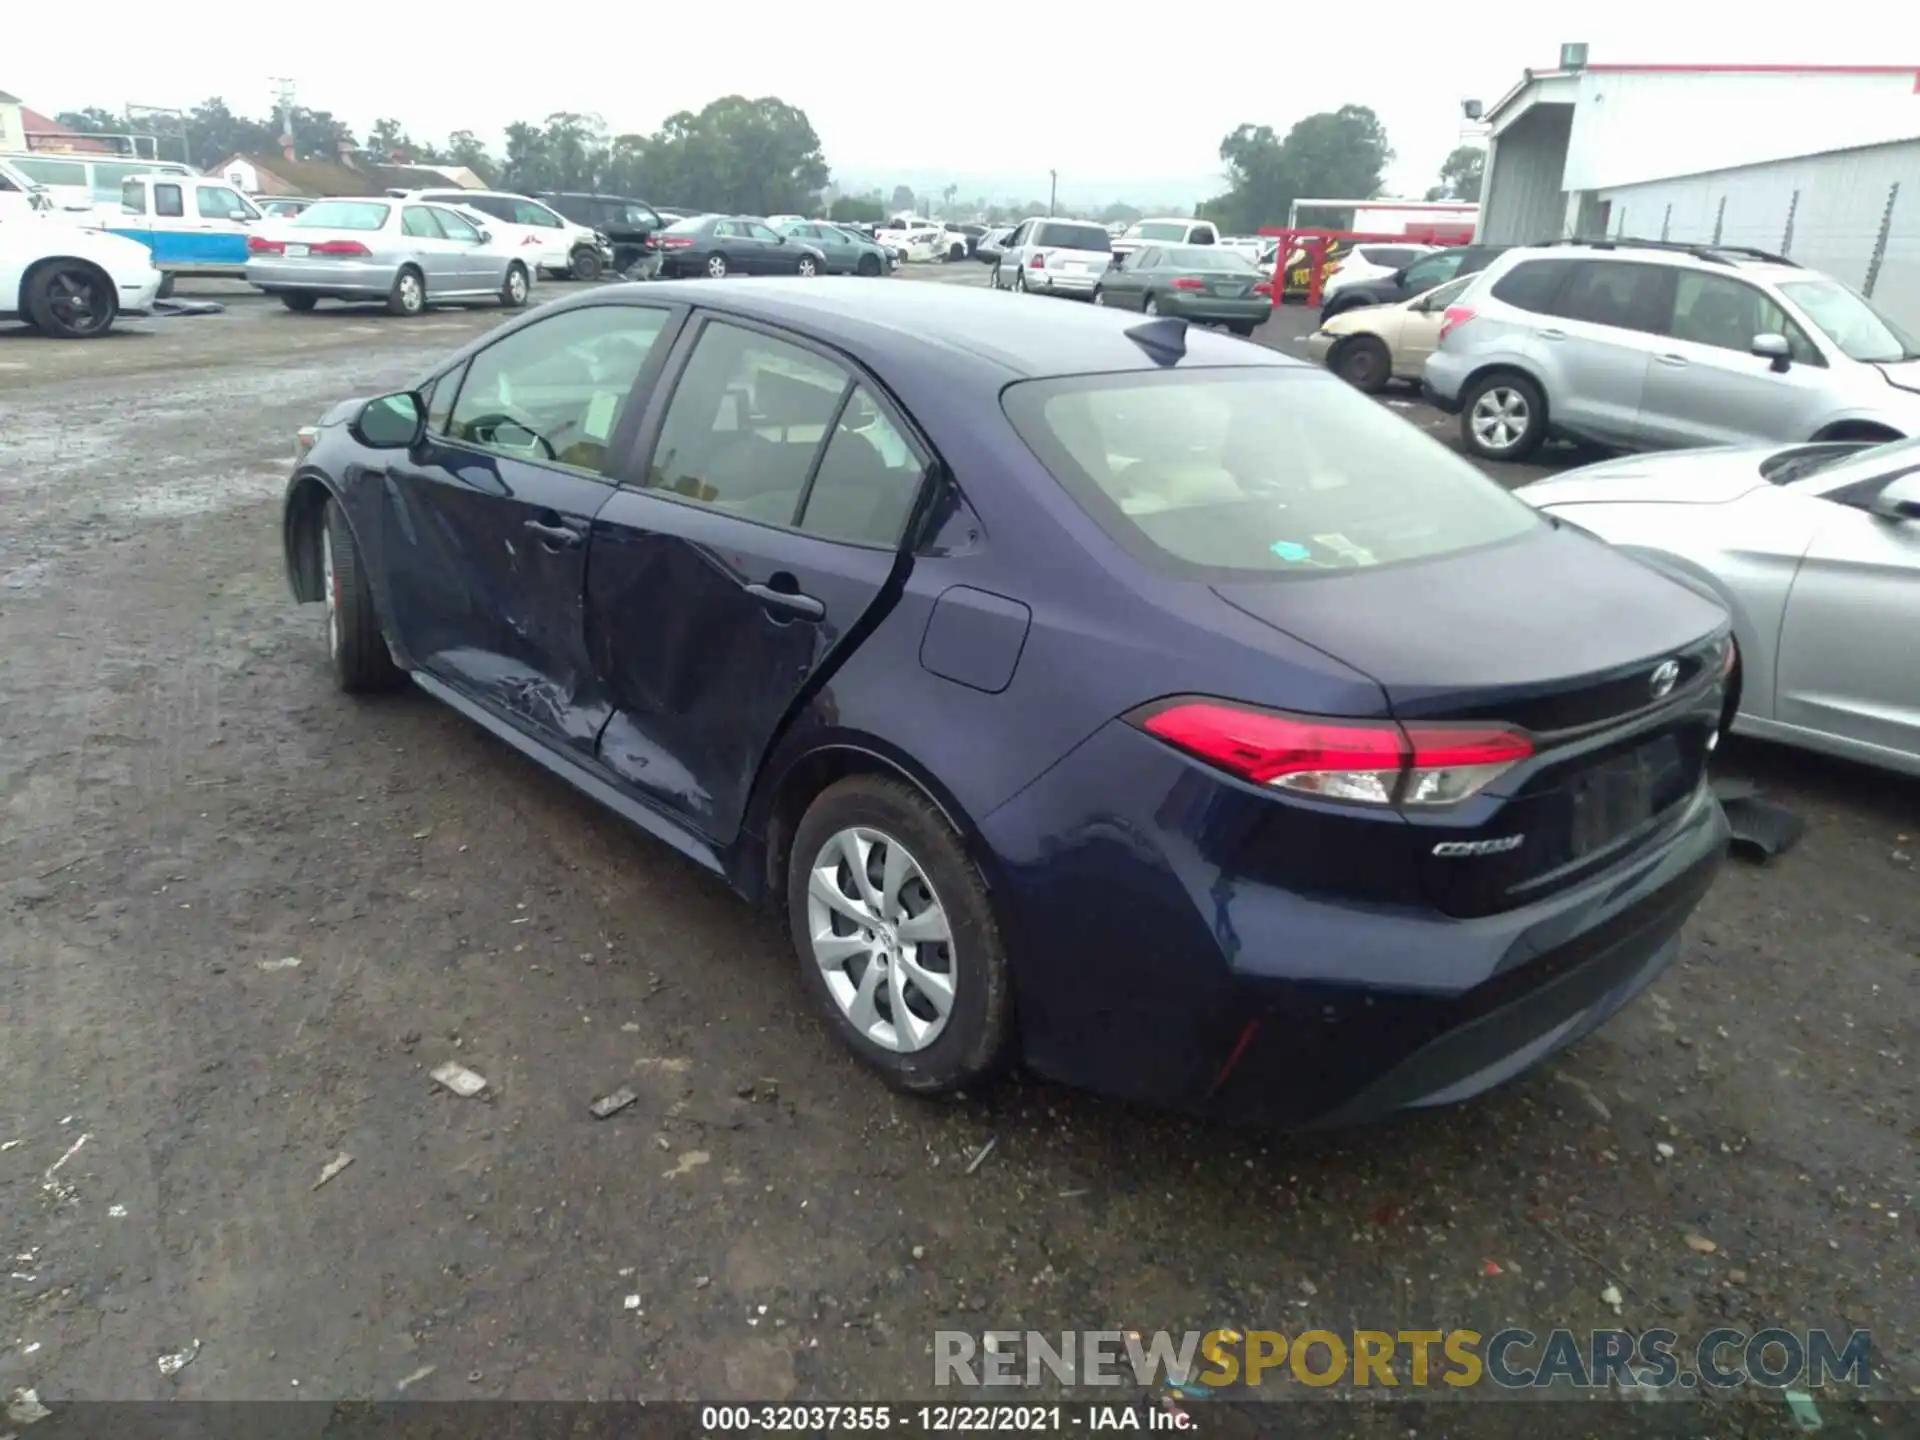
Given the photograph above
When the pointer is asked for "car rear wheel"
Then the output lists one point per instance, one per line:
(1152, 307)
(1245, 328)
(299, 300)
(717, 266)
(513, 294)
(1099, 296)
(869, 265)
(355, 643)
(1503, 417)
(1019, 280)
(807, 266)
(1363, 362)
(409, 293)
(896, 937)
(956, 251)
(71, 300)
(585, 264)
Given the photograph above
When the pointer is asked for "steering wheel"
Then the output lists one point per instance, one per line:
(490, 423)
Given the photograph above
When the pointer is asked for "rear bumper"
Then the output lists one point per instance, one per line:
(1441, 380)
(1217, 308)
(322, 277)
(1062, 282)
(1158, 957)
(1320, 345)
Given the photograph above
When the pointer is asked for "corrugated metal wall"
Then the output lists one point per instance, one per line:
(1827, 212)
(1523, 201)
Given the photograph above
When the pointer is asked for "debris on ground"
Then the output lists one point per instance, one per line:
(613, 1104)
(981, 1158)
(1761, 828)
(461, 1081)
(173, 1364)
(188, 307)
(116, 1212)
(24, 1408)
(632, 1302)
(1662, 1150)
(415, 1378)
(1700, 1244)
(59, 1189)
(1805, 1414)
(332, 1168)
(688, 1161)
(1612, 1296)
(285, 962)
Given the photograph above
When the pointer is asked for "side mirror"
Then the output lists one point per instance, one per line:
(392, 422)
(1898, 499)
(486, 236)
(1774, 348)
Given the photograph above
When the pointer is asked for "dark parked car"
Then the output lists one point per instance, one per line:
(718, 245)
(1097, 691)
(1207, 283)
(844, 252)
(1415, 279)
(629, 224)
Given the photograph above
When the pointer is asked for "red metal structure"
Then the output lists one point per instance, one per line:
(1316, 241)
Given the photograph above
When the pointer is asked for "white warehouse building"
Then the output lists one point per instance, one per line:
(1820, 164)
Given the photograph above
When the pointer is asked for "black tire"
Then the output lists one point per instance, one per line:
(1150, 306)
(165, 292)
(1364, 362)
(71, 300)
(409, 293)
(1245, 328)
(585, 264)
(516, 287)
(1019, 280)
(1518, 399)
(869, 265)
(1100, 297)
(956, 251)
(977, 1041)
(362, 663)
(716, 267)
(298, 300)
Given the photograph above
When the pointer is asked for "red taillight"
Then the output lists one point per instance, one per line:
(1039, 262)
(1265, 287)
(1453, 318)
(260, 245)
(1369, 762)
(675, 242)
(1187, 282)
(339, 247)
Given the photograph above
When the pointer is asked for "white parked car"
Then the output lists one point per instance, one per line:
(914, 236)
(1054, 257)
(1166, 232)
(21, 196)
(558, 245)
(71, 282)
(1368, 261)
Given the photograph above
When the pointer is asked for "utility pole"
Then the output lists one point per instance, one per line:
(283, 91)
(1053, 189)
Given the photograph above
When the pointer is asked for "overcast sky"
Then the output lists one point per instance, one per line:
(925, 92)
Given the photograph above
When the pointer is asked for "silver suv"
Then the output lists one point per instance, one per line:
(1646, 345)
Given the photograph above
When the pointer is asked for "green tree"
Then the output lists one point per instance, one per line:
(857, 210)
(748, 157)
(903, 198)
(215, 133)
(1117, 212)
(465, 148)
(94, 120)
(319, 134)
(1461, 175)
(576, 151)
(1338, 154)
(527, 164)
(388, 137)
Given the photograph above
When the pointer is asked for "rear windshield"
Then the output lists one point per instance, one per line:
(1158, 230)
(1282, 472)
(1204, 257)
(1055, 235)
(687, 226)
(343, 215)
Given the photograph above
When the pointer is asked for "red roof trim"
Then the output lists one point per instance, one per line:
(1913, 70)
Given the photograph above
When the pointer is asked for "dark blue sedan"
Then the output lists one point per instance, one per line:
(1125, 699)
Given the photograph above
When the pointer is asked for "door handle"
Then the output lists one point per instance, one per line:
(1677, 361)
(1553, 334)
(563, 537)
(790, 601)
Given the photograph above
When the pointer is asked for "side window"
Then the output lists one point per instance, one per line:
(527, 213)
(456, 228)
(217, 202)
(1726, 314)
(1021, 235)
(418, 222)
(1434, 270)
(1532, 284)
(868, 479)
(553, 392)
(761, 232)
(1149, 258)
(493, 205)
(747, 418)
(167, 201)
(133, 197)
(1613, 292)
(1203, 235)
(727, 230)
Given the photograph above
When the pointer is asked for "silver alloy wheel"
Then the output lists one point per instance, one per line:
(1500, 417)
(1152, 307)
(517, 284)
(717, 266)
(881, 939)
(1099, 297)
(411, 297)
(331, 586)
(806, 265)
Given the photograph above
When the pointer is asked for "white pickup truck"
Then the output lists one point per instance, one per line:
(914, 237)
(192, 225)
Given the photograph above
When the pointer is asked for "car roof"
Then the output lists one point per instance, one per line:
(1711, 258)
(986, 335)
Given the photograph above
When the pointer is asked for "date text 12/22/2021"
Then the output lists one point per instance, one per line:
(936, 1419)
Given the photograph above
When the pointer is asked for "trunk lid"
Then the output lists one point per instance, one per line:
(1554, 634)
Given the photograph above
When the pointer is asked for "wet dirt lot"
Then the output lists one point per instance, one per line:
(189, 809)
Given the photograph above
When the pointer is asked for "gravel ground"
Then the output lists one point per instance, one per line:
(244, 917)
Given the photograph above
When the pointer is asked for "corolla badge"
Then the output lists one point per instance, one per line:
(1665, 676)
(1480, 847)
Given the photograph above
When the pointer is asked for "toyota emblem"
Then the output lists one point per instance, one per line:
(1665, 676)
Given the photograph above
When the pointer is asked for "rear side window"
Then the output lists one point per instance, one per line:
(1434, 270)
(1532, 284)
(1158, 230)
(167, 201)
(868, 478)
(1392, 256)
(1286, 473)
(491, 205)
(52, 172)
(1615, 293)
(341, 215)
(418, 222)
(526, 212)
(1056, 235)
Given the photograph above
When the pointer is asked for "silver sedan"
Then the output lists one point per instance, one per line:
(406, 253)
(1815, 552)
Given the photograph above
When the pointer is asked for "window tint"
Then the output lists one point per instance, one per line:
(1392, 256)
(216, 202)
(418, 222)
(168, 201)
(455, 227)
(1613, 292)
(133, 197)
(1206, 257)
(867, 481)
(747, 418)
(1532, 284)
(1062, 236)
(1725, 313)
(343, 215)
(1203, 235)
(689, 226)
(1158, 230)
(761, 232)
(1433, 270)
(499, 208)
(1277, 472)
(525, 212)
(553, 392)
